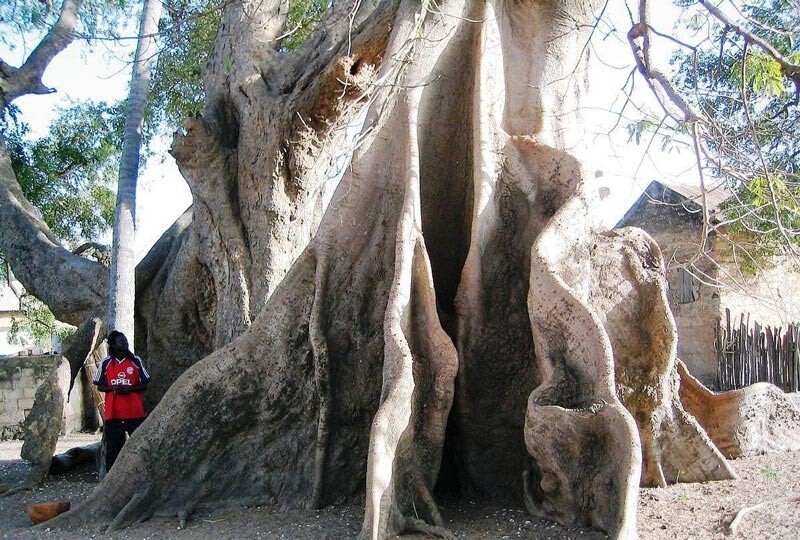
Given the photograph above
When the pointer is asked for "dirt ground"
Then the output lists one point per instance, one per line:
(680, 512)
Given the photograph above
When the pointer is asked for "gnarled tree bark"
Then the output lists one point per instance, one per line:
(453, 318)
(455, 309)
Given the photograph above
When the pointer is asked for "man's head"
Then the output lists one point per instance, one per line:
(117, 342)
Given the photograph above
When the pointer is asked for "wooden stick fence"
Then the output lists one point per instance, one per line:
(748, 354)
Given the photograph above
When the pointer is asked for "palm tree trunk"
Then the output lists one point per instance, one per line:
(122, 290)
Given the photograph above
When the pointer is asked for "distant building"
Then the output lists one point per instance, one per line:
(9, 309)
(704, 280)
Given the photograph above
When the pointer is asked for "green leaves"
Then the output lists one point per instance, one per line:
(22, 20)
(637, 129)
(761, 208)
(187, 35)
(302, 18)
(68, 175)
(21, 16)
(751, 125)
(763, 74)
(762, 188)
(671, 138)
(37, 323)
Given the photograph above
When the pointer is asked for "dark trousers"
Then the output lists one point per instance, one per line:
(115, 431)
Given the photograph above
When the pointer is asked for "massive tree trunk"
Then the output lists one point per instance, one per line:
(455, 311)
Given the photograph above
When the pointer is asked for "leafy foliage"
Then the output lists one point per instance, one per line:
(302, 18)
(69, 174)
(187, 34)
(23, 16)
(744, 93)
(763, 74)
(187, 29)
(21, 19)
(37, 324)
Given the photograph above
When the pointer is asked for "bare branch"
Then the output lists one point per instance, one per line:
(737, 519)
(665, 92)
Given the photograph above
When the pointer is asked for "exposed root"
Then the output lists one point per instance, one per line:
(417, 525)
(6, 491)
(183, 517)
(424, 495)
(737, 519)
(124, 517)
(753, 420)
(185, 512)
(319, 347)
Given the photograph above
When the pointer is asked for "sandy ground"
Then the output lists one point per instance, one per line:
(680, 512)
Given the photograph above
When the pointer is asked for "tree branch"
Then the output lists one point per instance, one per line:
(664, 91)
(74, 288)
(734, 524)
(16, 82)
(789, 69)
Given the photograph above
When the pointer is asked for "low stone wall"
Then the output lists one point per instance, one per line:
(20, 376)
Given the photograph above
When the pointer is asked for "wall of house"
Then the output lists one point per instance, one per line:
(696, 323)
(20, 376)
(9, 308)
(771, 297)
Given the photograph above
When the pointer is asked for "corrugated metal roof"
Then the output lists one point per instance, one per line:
(716, 193)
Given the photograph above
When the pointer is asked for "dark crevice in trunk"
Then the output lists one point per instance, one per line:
(498, 363)
(446, 193)
(448, 484)
(225, 122)
(446, 200)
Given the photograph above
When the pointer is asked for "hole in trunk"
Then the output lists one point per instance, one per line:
(484, 451)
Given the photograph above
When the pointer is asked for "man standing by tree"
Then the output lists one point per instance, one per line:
(123, 377)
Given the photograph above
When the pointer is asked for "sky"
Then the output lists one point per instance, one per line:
(103, 73)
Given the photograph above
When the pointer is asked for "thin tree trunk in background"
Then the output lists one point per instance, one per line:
(122, 290)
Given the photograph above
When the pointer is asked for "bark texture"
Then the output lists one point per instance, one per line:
(45, 422)
(453, 323)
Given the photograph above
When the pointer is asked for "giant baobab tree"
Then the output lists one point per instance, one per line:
(452, 308)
